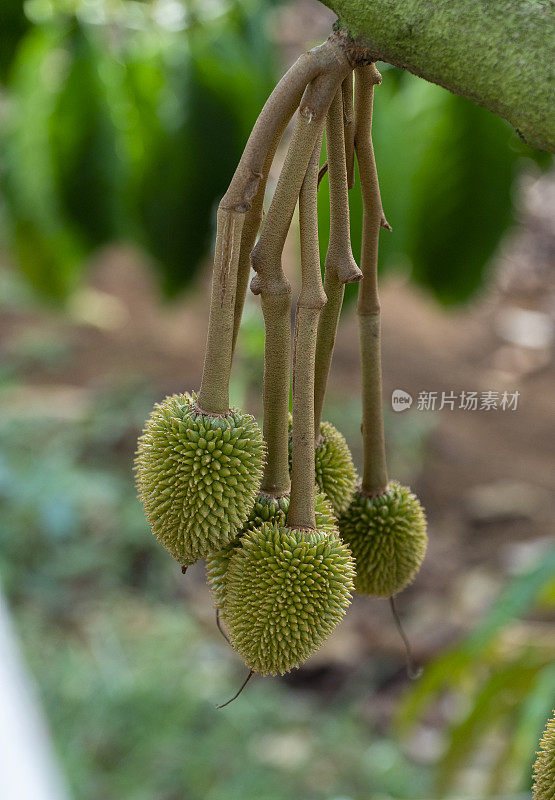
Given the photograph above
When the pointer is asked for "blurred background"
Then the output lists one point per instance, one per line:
(121, 123)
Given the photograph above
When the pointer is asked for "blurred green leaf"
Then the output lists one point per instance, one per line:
(493, 703)
(521, 594)
(48, 246)
(122, 125)
(447, 169)
(462, 199)
(127, 120)
(13, 24)
(525, 729)
(50, 259)
(194, 159)
(449, 670)
(89, 158)
(491, 693)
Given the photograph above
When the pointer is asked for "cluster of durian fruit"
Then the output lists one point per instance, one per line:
(287, 530)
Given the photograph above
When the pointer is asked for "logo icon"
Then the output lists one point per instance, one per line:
(400, 400)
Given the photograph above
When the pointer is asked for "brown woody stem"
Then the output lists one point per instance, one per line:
(276, 308)
(294, 85)
(309, 305)
(349, 128)
(279, 109)
(234, 217)
(272, 284)
(213, 397)
(239, 214)
(340, 264)
(253, 221)
(375, 478)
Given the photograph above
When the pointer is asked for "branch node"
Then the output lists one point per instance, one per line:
(344, 265)
(256, 287)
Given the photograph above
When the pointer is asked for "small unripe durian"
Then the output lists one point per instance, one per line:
(387, 537)
(197, 475)
(286, 591)
(335, 471)
(544, 768)
(265, 509)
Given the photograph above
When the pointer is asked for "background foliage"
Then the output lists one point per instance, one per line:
(126, 120)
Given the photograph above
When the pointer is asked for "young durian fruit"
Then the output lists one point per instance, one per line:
(387, 537)
(335, 471)
(197, 475)
(286, 591)
(384, 526)
(266, 509)
(544, 768)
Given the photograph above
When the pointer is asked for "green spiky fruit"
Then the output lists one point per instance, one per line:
(544, 768)
(335, 471)
(387, 537)
(286, 591)
(197, 475)
(265, 509)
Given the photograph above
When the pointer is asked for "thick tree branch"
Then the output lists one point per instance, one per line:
(498, 53)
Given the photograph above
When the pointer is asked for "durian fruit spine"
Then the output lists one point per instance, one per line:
(375, 477)
(340, 265)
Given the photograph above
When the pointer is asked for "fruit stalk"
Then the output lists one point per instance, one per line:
(253, 221)
(260, 150)
(309, 305)
(271, 282)
(375, 478)
(235, 208)
(349, 128)
(213, 397)
(340, 266)
(325, 60)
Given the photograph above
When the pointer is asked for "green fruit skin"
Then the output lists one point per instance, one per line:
(286, 591)
(388, 539)
(197, 476)
(335, 471)
(544, 768)
(265, 509)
